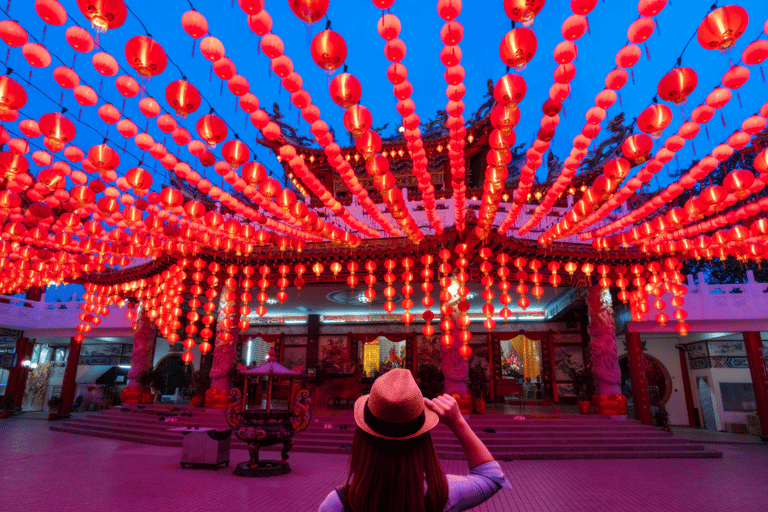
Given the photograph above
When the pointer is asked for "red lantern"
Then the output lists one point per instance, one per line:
(104, 158)
(12, 95)
(523, 11)
(636, 147)
(345, 90)
(329, 50)
(235, 152)
(518, 47)
(212, 129)
(357, 120)
(51, 11)
(309, 11)
(183, 97)
(676, 85)
(194, 24)
(57, 127)
(722, 27)
(13, 34)
(104, 14)
(36, 55)
(146, 56)
(654, 119)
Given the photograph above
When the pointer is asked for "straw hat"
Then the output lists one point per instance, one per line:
(395, 408)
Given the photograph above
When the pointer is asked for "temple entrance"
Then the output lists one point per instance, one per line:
(381, 355)
(522, 366)
(176, 374)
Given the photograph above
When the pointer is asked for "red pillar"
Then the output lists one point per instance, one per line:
(687, 387)
(70, 372)
(757, 370)
(642, 401)
(15, 375)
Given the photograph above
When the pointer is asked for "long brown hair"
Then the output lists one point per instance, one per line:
(389, 476)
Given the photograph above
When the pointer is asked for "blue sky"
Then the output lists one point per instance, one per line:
(484, 23)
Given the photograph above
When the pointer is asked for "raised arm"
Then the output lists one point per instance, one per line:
(447, 409)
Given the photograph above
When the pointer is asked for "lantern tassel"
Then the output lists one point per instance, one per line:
(762, 74)
(101, 82)
(658, 28)
(620, 99)
(693, 147)
(647, 53)
(722, 118)
(210, 73)
(235, 100)
(74, 57)
(706, 130)
(738, 97)
(588, 30)
(78, 114)
(258, 47)
(61, 99)
(8, 55)
(45, 28)
(221, 89)
(122, 108)
(194, 41)
(632, 72)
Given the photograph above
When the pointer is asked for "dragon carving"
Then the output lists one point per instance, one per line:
(602, 333)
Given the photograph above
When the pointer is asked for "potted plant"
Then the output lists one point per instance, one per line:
(478, 386)
(583, 386)
(430, 380)
(157, 381)
(199, 383)
(53, 406)
(662, 419)
(9, 401)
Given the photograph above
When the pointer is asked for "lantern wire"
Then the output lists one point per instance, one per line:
(139, 20)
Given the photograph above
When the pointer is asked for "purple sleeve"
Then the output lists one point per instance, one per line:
(332, 503)
(482, 482)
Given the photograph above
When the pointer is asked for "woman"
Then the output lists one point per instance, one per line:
(394, 467)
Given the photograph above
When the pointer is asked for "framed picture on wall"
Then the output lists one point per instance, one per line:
(566, 357)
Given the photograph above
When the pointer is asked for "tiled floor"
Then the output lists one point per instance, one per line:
(45, 471)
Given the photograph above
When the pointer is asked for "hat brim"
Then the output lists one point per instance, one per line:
(430, 421)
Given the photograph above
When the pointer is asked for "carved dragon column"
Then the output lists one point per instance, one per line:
(605, 359)
(455, 367)
(225, 349)
(142, 355)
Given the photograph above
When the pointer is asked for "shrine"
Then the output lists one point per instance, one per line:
(258, 209)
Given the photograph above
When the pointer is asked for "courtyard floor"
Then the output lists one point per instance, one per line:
(43, 471)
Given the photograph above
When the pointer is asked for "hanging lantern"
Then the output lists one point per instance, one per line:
(677, 85)
(146, 56)
(352, 278)
(370, 280)
(183, 97)
(654, 119)
(298, 281)
(446, 310)
(504, 285)
(328, 50)
(235, 152)
(212, 129)
(554, 279)
(56, 127)
(345, 90)
(427, 301)
(309, 11)
(12, 95)
(318, 268)
(487, 281)
(103, 14)
(722, 27)
(518, 47)
(523, 11)
(389, 290)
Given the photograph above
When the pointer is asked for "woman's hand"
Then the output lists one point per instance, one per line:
(447, 408)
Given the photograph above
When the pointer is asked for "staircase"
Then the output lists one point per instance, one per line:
(556, 437)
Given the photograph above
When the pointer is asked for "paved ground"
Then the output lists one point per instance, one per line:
(43, 471)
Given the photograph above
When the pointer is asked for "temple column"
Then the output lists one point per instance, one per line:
(70, 372)
(224, 349)
(757, 370)
(142, 356)
(455, 367)
(687, 387)
(640, 398)
(602, 333)
(15, 375)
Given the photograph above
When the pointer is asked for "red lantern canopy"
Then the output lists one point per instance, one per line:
(518, 47)
(722, 27)
(146, 56)
(676, 85)
(104, 14)
(309, 11)
(51, 11)
(212, 129)
(329, 50)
